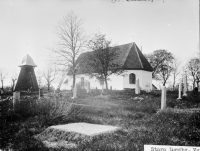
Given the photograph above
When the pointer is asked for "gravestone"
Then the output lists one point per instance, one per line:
(148, 87)
(16, 97)
(137, 87)
(88, 87)
(75, 92)
(86, 128)
(179, 91)
(185, 86)
(163, 98)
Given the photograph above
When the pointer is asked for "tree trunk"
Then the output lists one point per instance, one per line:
(174, 82)
(13, 85)
(193, 84)
(74, 80)
(164, 83)
(48, 85)
(106, 81)
(2, 84)
(173, 86)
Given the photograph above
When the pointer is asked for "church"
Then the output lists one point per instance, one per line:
(135, 66)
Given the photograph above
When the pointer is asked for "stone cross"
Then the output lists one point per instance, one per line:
(163, 98)
(185, 86)
(137, 87)
(179, 91)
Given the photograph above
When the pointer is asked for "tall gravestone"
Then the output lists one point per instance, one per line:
(163, 98)
(137, 87)
(179, 91)
(27, 79)
(185, 86)
(16, 97)
(75, 92)
(88, 87)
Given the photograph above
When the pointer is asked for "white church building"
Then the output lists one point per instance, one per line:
(135, 67)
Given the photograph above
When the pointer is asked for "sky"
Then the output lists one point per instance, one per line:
(29, 26)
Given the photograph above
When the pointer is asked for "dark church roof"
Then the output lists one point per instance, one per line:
(129, 57)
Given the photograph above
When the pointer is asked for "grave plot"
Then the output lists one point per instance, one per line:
(73, 134)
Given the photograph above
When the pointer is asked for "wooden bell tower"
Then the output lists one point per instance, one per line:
(27, 79)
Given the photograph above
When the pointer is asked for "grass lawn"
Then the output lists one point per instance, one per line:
(140, 120)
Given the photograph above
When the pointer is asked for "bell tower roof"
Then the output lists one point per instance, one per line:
(27, 61)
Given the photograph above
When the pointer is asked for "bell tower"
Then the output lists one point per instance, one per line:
(27, 79)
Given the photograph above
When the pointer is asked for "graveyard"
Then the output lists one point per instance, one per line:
(96, 119)
(138, 119)
(107, 75)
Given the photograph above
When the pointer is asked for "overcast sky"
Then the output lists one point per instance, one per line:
(28, 26)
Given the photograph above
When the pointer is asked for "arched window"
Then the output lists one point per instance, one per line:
(132, 78)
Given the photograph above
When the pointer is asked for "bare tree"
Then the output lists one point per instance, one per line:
(13, 79)
(175, 71)
(164, 73)
(49, 75)
(193, 68)
(102, 60)
(62, 74)
(39, 77)
(161, 61)
(72, 41)
(3, 74)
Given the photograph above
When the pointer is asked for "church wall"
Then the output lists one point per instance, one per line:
(118, 82)
(145, 78)
(114, 81)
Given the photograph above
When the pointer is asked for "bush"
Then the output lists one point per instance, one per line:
(175, 127)
(81, 92)
(30, 117)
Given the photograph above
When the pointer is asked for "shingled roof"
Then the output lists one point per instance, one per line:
(129, 58)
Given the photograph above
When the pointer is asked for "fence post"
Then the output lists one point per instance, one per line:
(163, 98)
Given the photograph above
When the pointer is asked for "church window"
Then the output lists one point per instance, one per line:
(82, 81)
(132, 78)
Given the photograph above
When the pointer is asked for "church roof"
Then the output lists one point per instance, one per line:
(129, 58)
(27, 61)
